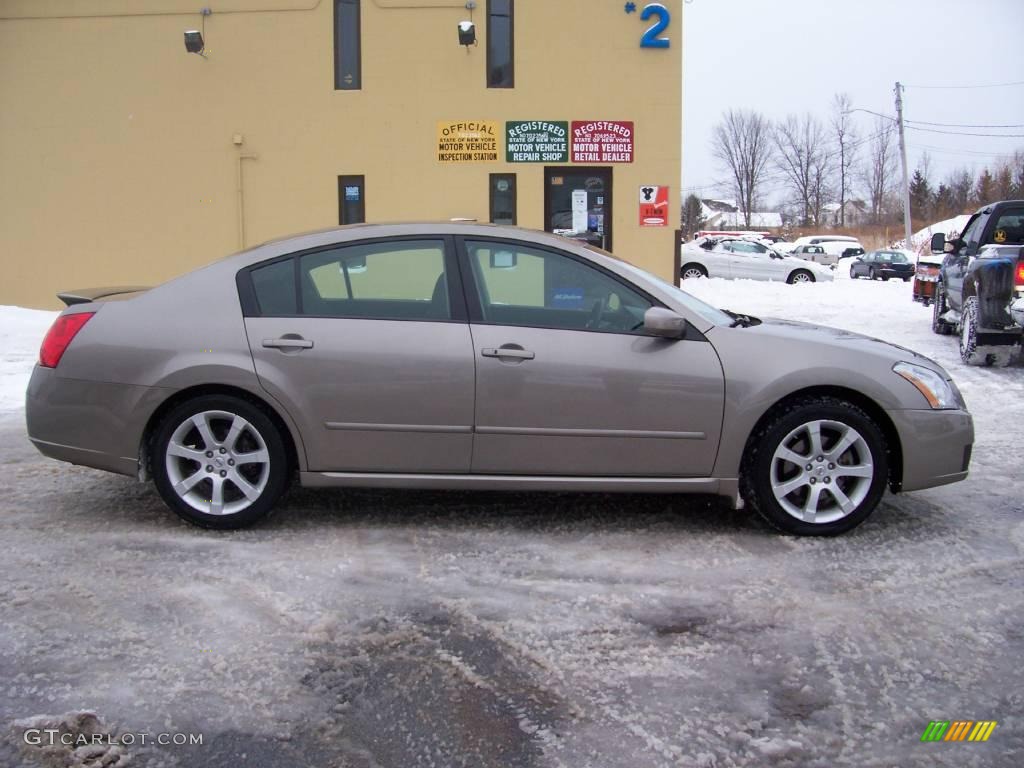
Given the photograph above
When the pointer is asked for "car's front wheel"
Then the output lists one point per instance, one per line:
(969, 352)
(800, 276)
(219, 462)
(817, 468)
(939, 308)
(853, 273)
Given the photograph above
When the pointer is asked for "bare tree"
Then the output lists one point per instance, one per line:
(802, 160)
(844, 136)
(879, 170)
(742, 143)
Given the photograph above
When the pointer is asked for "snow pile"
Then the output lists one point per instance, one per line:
(21, 333)
(949, 227)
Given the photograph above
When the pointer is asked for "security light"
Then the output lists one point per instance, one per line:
(194, 41)
(467, 33)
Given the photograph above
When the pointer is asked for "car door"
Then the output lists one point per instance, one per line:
(955, 265)
(754, 262)
(366, 346)
(567, 382)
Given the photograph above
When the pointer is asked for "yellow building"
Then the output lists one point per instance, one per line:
(125, 159)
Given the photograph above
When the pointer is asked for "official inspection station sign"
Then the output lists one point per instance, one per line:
(467, 141)
(537, 141)
(602, 141)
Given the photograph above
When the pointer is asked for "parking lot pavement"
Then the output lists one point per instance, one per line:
(472, 629)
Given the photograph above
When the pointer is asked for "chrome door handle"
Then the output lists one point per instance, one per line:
(286, 342)
(518, 354)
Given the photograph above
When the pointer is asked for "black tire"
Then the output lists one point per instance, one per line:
(939, 308)
(885, 278)
(969, 335)
(906, 279)
(833, 416)
(871, 273)
(800, 276)
(694, 269)
(853, 273)
(227, 467)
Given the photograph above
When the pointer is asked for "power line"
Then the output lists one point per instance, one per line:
(964, 133)
(956, 87)
(951, 151)
(963, 125)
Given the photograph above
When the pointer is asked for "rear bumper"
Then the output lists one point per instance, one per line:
(92, 423)
(936, 446)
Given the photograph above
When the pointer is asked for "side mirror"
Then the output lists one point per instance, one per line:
(665, 323)
(938, 242)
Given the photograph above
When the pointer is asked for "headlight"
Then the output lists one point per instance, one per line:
(936, 390)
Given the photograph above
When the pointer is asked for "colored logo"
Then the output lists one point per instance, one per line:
(958, 730)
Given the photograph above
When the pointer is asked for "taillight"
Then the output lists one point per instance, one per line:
(59, 337)
(1019, 280)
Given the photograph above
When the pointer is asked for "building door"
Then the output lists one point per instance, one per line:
(578, 204)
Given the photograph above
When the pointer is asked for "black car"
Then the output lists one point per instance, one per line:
(883, 264)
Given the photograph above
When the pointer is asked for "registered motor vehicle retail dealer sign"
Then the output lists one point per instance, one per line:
(602, 141)
(537, 141)
(467, 141)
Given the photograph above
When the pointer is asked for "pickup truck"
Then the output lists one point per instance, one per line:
(980, 293)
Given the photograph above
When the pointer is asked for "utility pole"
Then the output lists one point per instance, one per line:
(903, 160)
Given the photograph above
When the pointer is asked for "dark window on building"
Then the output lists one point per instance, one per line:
(351, 199)
(503, 198)
(274, 285)
(348, 75)
(500, 40)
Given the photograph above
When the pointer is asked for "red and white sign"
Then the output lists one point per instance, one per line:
(653, 206)
(602, 141)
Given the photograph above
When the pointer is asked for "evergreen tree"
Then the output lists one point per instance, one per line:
(942, 203)
(920, 196)
(985, 190)
(692, 216)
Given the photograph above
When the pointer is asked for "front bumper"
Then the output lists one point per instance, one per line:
(93, 423)
(936, 446)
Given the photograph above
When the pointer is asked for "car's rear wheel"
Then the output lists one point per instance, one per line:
(817, 468)
(871, 273)
(969, 335)
(693, 270)
(800, 276)
(219, 462)
(906, 279)
(939, 308)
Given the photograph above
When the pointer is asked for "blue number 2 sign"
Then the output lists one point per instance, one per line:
(651, 37)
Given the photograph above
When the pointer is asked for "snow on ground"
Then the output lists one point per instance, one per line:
(21, 333)
(373, 628)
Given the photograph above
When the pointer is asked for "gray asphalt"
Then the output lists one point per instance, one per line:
(457, 629)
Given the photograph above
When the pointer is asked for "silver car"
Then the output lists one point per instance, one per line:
(473, 356)
(745, 259)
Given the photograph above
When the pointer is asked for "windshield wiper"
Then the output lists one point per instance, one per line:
(738, 320)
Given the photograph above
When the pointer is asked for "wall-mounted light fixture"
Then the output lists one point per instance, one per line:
(467, 33)
(194, 42)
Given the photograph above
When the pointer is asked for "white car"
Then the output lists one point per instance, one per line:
(746, 259)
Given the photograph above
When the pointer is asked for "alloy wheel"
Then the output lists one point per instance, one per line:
(217, 462)
(821, 471)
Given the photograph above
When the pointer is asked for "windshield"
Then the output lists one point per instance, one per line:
(692, 303)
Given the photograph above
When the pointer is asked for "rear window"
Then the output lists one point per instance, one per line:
(274, 285)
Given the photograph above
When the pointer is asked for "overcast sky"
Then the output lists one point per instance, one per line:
(792, 56)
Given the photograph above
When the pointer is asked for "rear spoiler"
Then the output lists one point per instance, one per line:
(86, 295)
